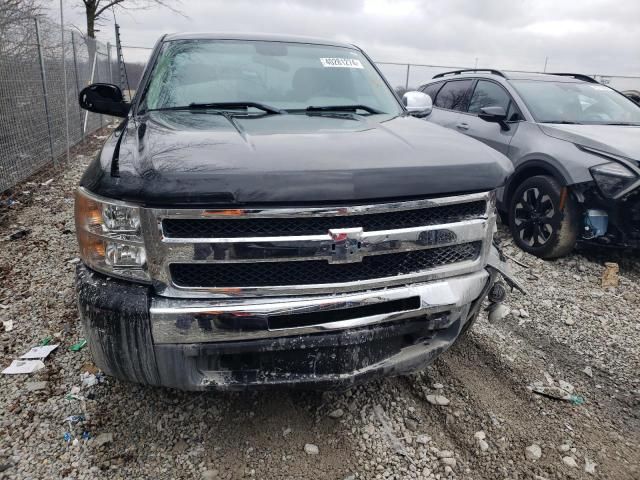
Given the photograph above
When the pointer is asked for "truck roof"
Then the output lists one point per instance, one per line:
(262, 37)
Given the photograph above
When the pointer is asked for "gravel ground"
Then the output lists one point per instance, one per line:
(568, 329)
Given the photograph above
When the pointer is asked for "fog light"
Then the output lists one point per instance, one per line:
(119, 255)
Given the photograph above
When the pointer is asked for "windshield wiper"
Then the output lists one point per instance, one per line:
(626, 124)
(343, 108)
(563, 122)
(224, 106)
(236, 106)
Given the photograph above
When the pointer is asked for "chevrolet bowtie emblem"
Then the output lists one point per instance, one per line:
(346, 246)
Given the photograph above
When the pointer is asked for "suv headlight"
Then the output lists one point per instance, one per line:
(612, 178)
(109, 236)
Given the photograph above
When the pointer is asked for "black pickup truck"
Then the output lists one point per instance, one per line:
(270, 213)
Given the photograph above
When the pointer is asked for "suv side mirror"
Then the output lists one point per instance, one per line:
(418, 104)
(104, 98)
(494, 114)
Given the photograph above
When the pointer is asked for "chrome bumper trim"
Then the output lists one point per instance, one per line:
(175, 321)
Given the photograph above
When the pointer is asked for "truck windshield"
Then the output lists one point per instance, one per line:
(588, 103)
(285, 76)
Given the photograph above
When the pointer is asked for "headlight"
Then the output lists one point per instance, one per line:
(109, 236)
(612, 178)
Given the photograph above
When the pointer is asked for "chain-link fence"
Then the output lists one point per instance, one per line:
(34, 106)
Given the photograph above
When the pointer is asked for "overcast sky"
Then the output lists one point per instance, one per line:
(589, 36)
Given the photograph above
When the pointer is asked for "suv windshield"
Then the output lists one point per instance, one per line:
(285, 76)
(563, 102)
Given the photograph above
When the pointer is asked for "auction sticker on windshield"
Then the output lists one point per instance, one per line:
(341, 63)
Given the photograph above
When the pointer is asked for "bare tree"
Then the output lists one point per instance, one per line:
(14, 11)
(96, 9)
(16, 24)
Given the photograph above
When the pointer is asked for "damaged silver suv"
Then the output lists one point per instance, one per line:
(270, 213)
(575, 145)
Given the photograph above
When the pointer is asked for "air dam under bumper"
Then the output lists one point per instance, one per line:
(330, 341)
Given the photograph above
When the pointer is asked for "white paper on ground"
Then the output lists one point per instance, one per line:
(40, 352)
(23, 366)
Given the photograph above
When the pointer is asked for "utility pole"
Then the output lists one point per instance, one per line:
(476, 66)
(546, 60)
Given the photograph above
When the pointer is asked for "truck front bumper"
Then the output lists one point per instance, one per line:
(330, 341)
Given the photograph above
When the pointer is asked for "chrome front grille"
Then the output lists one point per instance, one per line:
(294, 251)
(309, 272)
(277, 227)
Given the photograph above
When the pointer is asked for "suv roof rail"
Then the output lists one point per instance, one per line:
(577, 76)
(469, 70)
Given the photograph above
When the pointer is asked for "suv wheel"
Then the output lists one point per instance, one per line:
(537, 224)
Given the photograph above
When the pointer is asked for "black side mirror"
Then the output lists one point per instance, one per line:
(104, 98)
(494, 114)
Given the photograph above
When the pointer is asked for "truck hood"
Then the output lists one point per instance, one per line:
(188, 158)
(621, 140)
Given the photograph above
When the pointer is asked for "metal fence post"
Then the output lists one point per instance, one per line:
(64, 73)
(93, 71)
(43, 76)
(406, 82)
(75, 70)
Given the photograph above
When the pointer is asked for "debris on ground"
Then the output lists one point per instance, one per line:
(439, 400)
(89, 379)
(533, 452)
(19, 367)
(311, 449)
(78, 346)
(41, 352)
(73, 419)
(18, 234)
(610, 275)
(558, 393)
(89, 368)
(7, 325)
(103, 439)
